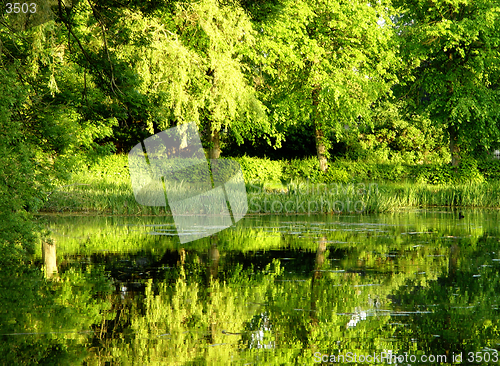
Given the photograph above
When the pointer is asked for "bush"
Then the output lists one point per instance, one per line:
(335, 174)
(301, 169)
(489, 168)
(388, 172)
(433, 174)
(343, 171)
(468, 172)
(256, 169)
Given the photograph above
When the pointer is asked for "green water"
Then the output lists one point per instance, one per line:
(274, 290)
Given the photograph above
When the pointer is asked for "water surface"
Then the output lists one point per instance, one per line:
(272, 290)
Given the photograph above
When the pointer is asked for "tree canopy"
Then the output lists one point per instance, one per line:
(86, 78)
(451, 52)
(325, 63)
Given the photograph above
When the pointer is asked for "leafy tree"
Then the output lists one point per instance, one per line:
(219, 37)
(42, 122)
(398, 137)
(16, 178)
(176, 63)
(324, 63)
(451, 53)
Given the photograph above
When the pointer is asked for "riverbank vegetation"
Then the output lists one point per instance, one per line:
(337, 107)
(298, 186)
(297, 91)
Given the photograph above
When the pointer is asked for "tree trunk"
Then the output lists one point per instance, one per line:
(49, 257)
(454, 149)
(214, 149)
(213, 139)
(319, 133)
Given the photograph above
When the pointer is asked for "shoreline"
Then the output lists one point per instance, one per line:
(105, 189)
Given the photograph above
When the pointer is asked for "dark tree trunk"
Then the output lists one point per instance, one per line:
(319, 132)
(214, 149)
(212, 135)
(213, 139)
(454, 148)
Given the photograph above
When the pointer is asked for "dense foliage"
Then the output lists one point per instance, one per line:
(388, 103)
(357, 91)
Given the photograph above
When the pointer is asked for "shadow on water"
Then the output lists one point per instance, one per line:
(273, 289)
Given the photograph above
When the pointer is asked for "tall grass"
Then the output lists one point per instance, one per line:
(372, 198)
(462, 195)
(103, 188)
(106, 188)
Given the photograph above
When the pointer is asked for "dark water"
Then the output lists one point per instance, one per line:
(274, 290)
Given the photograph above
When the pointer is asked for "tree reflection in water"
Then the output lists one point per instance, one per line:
(273, 290)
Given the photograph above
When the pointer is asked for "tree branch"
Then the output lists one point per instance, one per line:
(105, 42)
(66, 23)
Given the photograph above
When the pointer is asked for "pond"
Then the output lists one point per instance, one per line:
(419, 287)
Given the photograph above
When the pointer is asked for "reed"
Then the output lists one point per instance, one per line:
(106, 188)
(373, 198)
(103, 188)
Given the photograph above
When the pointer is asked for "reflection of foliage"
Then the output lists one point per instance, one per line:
(380, 283)
(463, 305)
(94, 234)
(50, 323)
(182, 322)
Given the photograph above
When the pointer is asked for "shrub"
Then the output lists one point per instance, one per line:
(301, 169)
(433, 174)
(256, 169)
(335, 174)
(468, 172)
(489, 168)
(388, 172)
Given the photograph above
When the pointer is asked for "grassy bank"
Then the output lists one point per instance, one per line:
(371, 198)
(105, 188)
